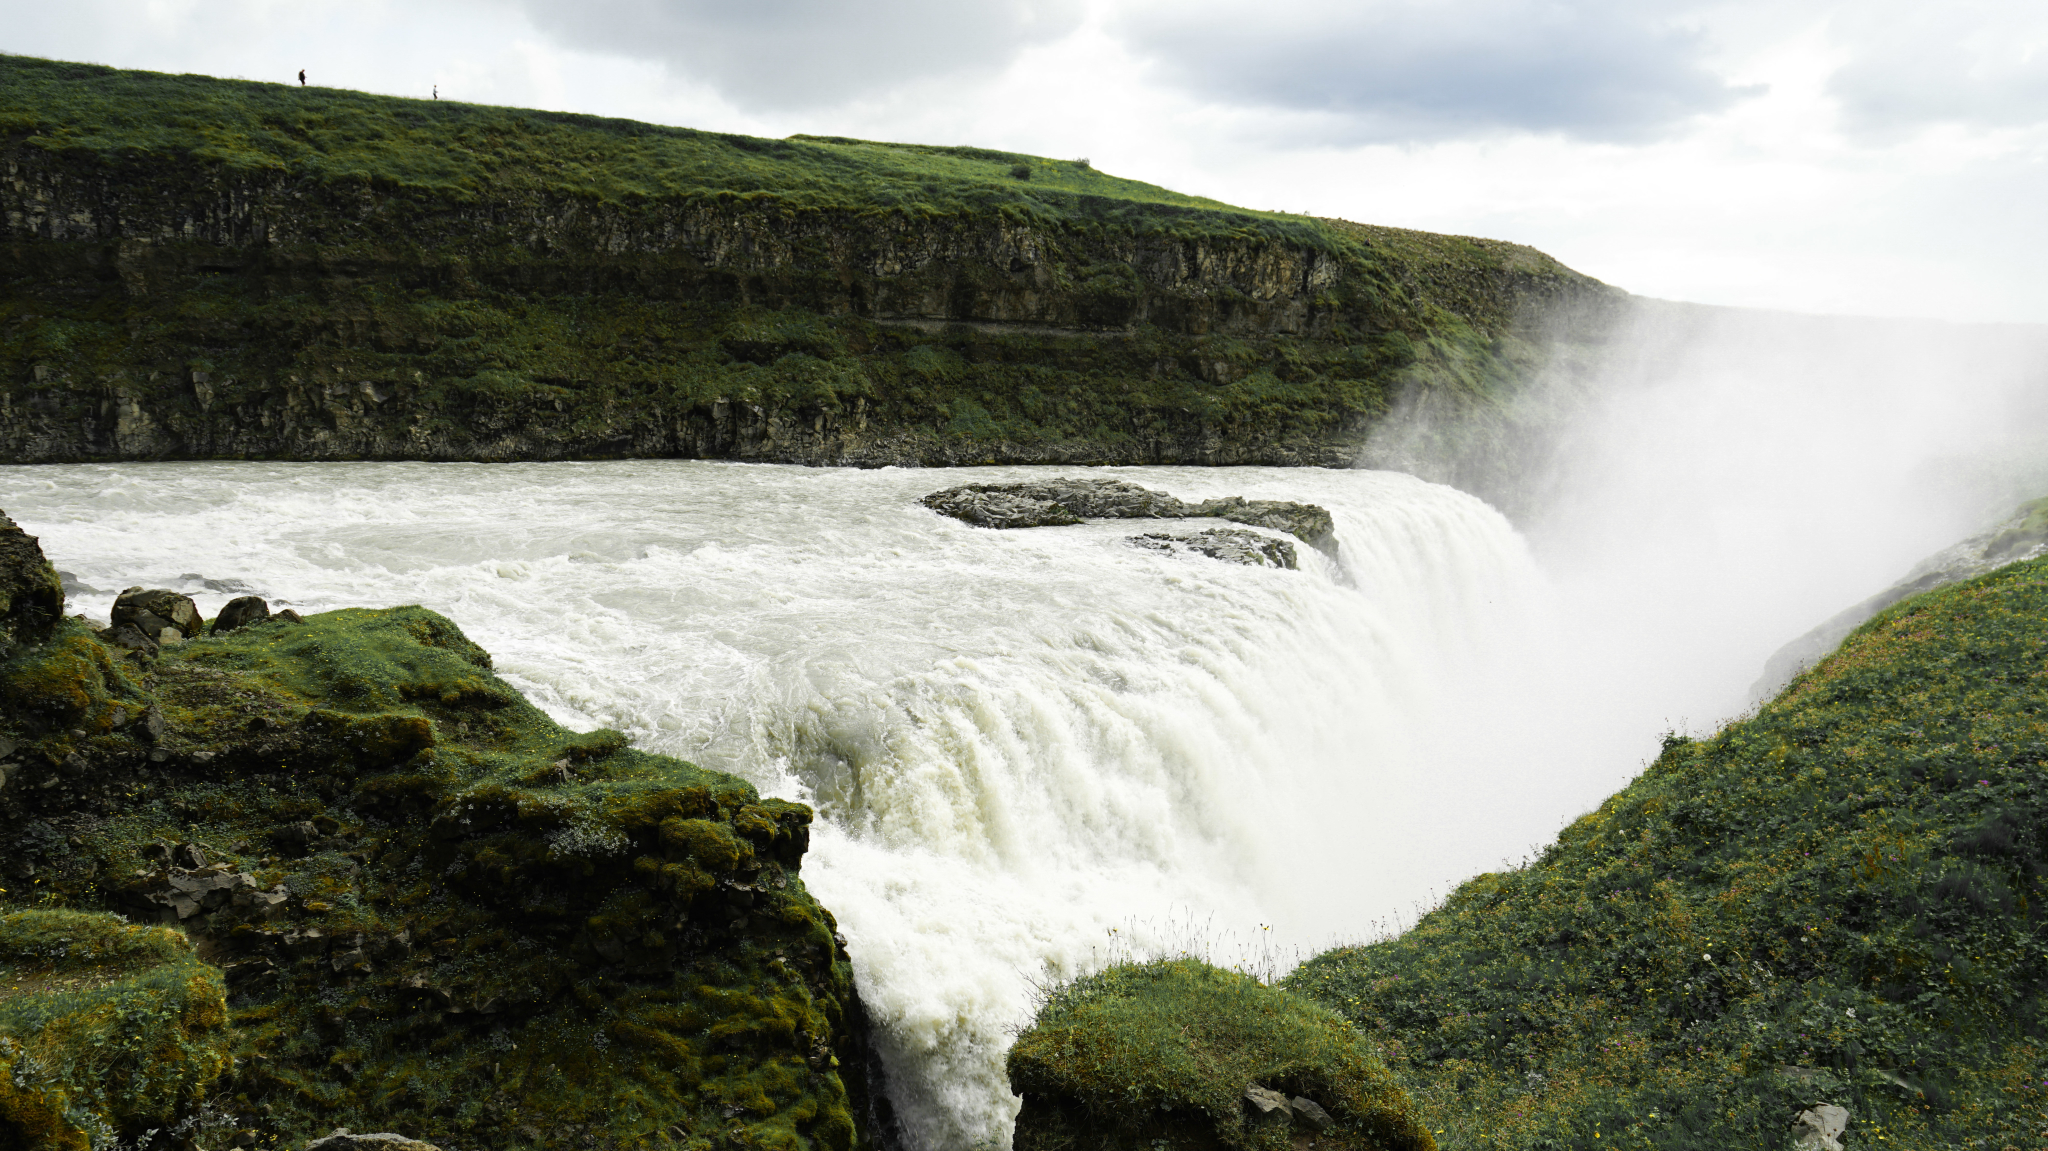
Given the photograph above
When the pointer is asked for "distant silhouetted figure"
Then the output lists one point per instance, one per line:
(302, 77)
(437, 91)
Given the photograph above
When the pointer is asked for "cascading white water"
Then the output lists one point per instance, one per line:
(1016, 741)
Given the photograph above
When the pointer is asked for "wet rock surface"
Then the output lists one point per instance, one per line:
(1051, 503)
(1241, 547)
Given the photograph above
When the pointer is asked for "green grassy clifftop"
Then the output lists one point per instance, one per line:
(210, 268)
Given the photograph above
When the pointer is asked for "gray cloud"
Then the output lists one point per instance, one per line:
(1914, 65)
(806, 53)
(1411, 70)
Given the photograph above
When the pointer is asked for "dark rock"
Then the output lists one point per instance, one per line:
(130, 640)
(1310, 1112)
(74, 587)
(188, 855)
(288, 616)
(151, 727)
(31, 592)
(152, 610)
(1224, 544)
(240, 613)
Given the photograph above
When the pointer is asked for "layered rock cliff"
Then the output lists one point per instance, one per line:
(217, 269)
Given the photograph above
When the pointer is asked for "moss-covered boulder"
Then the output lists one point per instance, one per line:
(1179, 1054)
(106, 1027)
(437, 911)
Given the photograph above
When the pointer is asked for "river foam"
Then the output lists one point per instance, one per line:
(1028, 750)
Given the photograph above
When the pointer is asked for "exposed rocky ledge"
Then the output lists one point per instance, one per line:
(1056, 502)
(2023, 537)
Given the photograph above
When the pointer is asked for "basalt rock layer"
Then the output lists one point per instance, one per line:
(432, 910)
(216, 269)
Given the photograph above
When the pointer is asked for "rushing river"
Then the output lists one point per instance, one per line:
(1029, 750)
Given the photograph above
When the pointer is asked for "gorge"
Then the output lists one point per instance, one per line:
(551, 377)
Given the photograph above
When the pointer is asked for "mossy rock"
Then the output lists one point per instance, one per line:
(106, 1028)
(1161, 1055)
(437, 911)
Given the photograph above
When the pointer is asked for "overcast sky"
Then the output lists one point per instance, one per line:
(1878, 157)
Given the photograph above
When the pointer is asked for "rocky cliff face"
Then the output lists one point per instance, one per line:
(168, 307)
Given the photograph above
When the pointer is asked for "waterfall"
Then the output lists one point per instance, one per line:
(1029, 751)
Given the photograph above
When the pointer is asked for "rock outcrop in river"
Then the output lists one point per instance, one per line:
(1057, 502)
(367, 885)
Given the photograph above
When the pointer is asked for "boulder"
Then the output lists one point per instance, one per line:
(1820, 1128)
(150, 611)
(1224, 544)
(31, 592)
(241, 613)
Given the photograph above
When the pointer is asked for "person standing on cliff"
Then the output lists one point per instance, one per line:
(302, 77)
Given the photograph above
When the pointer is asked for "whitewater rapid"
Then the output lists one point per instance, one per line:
(1028, 750)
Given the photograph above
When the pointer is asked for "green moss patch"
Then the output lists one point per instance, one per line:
(1839, 900)
(1161, 1054)
(105, 1028)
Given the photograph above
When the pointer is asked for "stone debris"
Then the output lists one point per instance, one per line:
(1229, 544)
(1052, 503)
(185, 885)
(1820, 1128)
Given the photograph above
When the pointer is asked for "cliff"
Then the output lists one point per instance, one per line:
(202, 268)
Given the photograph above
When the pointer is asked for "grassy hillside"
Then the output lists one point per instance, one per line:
(468, 151)
(207, 268)
(1838, 900)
